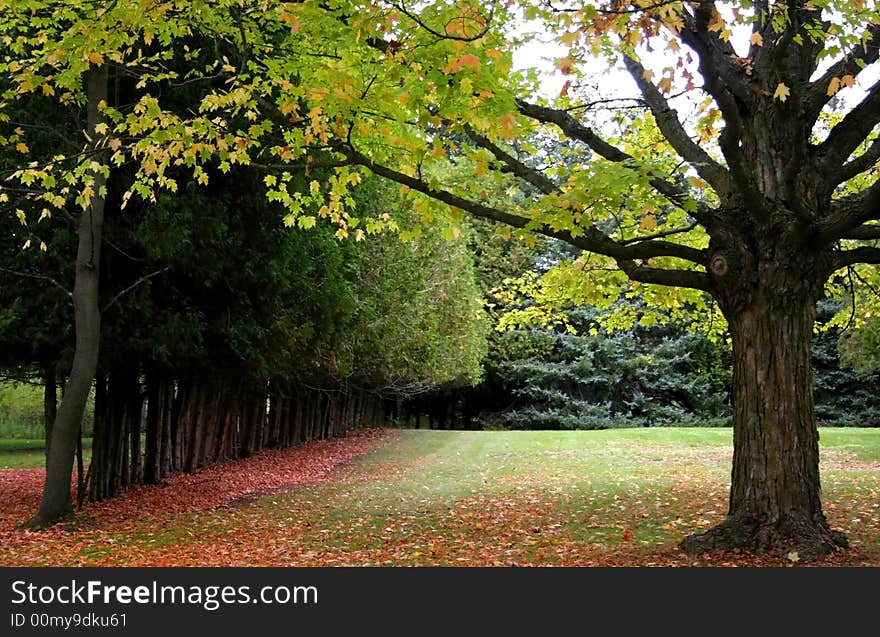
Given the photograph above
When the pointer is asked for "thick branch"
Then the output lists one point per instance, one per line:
(848, 213)
(816, 93)
(674, 132)
(860, 164)
(723, 79)
(852, 130)
(863, 232)
(863, 254)
(590, 239)
(658, 276)
(575, 130)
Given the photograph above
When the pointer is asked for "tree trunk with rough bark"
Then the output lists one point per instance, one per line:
(775, 502)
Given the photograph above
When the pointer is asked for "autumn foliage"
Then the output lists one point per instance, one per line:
(417, 498)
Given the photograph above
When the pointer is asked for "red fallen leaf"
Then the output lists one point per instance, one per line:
(627, 535)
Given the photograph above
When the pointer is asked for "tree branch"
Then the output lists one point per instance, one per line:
(660, 235)
(816, 93)
(514, 166)
(141, 280)
(723, 79)
(860, 164)
(863, 232)
(863, 254)
(657, 276)
(40, 277)
(674, 132)
(573, 129)
(590, 238)
(848, 213)
(851, 131)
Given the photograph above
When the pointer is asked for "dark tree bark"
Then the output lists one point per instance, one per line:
(152, 472)
(50, 403)
(775, 502)
(55, 502)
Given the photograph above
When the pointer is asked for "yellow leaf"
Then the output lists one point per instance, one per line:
(21, 217)
(757, 39)
(648, 222)
(43, 246)
(665, 84)
(793, 556)
(847, 80)
(648, 75)
(508, 124)
(114, 143)
(21, 147)
(96, 58)
(833, 86)
(101, 128)
(564, 65)
(27, 244)
(48, 90)
(696, 182)
(716, 23)
(782, 92)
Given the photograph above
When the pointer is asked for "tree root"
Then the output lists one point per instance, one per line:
(810, 539)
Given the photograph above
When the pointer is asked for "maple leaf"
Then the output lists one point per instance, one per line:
(782, 92)
(757, 39)
(648, 222)
(468, 61)
(565, 65)
(508, 125)
(563, 92)
(833, 86)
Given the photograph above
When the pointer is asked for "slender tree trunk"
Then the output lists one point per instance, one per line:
(50, 403)
(55, 503)
(775, 492)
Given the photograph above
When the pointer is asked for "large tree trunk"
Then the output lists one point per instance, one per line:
(775, 501)
(55, 503)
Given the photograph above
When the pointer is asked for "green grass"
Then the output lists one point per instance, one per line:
(28, 453)
(537, 497)
(613, 497)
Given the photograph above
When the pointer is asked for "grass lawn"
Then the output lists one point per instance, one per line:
(614, 497)
(27, 453)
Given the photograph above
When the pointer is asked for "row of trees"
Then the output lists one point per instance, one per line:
(226, 332)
